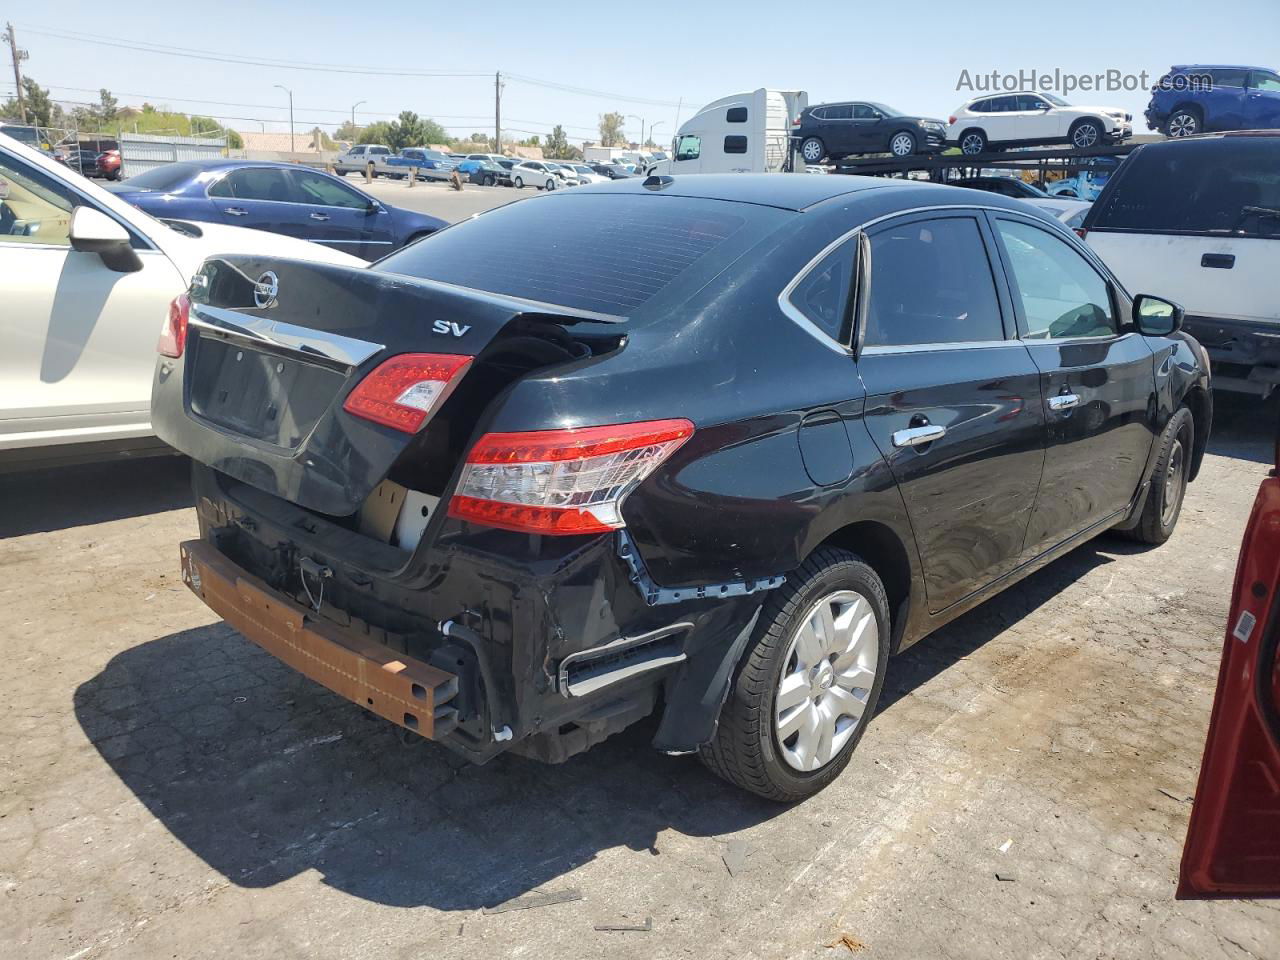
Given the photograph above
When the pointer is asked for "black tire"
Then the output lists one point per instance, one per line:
(745, 750)
(1183, 122)
(1168, 481)
(903, 143)
(973, 142)
(519, 183)
(813, 150)
(1086, 134)
(490, 180)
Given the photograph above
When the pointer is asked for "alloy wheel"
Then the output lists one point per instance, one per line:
(1175, 483)
(971, 145)
(902, 145)
(1086, 135)
(811, 150)
(828, 674)
(1182, 125)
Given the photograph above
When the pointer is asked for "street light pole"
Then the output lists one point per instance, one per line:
(353, 111)
(656, 125)
(632, 116)
(290, 93)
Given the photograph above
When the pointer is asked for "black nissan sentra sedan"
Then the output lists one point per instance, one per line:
(715, 447)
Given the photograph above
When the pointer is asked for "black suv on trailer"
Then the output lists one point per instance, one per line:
(740, 440)
(832, 131)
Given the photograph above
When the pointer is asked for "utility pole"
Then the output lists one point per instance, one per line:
(290, 93)
(497, 112)
(18, 56)
(353, 111)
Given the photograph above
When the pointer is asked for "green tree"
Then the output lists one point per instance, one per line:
(379, 132)
(406, 131)
(107, 108)
(41, 111)
(348, 131)
(557, 144)
(432, 132)
(611, 129)
(234, 140)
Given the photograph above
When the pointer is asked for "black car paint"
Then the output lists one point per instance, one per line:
(791, 451)
(847, 137)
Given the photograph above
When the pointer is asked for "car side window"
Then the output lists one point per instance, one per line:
(317, 188)
(33, 208)
(1061, 293)
(818, 113)
(379, 151)
(931, 282)
(980, 106)
(736, 115)
(357, 151)
(257, 183)
(822, 297)
(863, 112)
(1265, 80)
(1028, 101)
(735, 144)
(841, 111)
(1227, 78)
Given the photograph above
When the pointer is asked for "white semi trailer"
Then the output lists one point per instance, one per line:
(742, 133)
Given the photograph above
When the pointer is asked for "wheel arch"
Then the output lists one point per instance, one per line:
(880, 546)
(1197, 401)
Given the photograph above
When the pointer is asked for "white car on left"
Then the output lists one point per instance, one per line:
(86, 281)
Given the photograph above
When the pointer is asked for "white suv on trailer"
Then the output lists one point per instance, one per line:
(1031, 119)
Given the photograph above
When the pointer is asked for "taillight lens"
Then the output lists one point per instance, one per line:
(951, 120)
(406, 390)
(173, 335)
(1080, 232)
(562, 481)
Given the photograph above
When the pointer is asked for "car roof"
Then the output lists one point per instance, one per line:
(1216, 66)
(785, 191)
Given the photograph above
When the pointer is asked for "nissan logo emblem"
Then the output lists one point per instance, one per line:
(266, 290)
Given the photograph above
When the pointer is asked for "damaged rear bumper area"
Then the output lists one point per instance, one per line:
(405, 691)
(471, 642)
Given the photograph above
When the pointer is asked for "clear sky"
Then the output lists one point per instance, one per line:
(907, 54)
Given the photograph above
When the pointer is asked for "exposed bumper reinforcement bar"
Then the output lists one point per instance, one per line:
(408, 692)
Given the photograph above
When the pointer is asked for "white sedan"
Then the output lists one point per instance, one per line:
(88, 280)
(1029, 119)
(534, 173)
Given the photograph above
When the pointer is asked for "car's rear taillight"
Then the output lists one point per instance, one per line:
(562, 481)
(1080, 232)
(951, 120)
(406, 390)
(173, 335)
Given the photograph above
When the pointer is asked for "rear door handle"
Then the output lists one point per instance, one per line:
(1221, 261)
(319, 216)
(1064, 401)
(919, 436)
(237, 211)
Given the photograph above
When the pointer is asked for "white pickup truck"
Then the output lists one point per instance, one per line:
(358, 157)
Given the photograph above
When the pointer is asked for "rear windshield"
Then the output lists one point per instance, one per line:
(1227, 186)
(164, 177)
(603, 253)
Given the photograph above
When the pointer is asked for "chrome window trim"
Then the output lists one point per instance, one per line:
(808, 326)
(304, 341)
(931, 347)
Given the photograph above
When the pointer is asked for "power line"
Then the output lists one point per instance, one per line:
(199, 54)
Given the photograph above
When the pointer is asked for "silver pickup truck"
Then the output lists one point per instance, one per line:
(355, 159)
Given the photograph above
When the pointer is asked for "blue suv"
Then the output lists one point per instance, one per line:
(1211, 98)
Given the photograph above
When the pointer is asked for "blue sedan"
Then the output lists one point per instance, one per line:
(279, 197)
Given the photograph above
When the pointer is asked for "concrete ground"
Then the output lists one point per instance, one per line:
(169, 790)
(441, 200)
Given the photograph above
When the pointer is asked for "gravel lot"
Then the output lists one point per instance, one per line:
(441, 200)
(169, 790)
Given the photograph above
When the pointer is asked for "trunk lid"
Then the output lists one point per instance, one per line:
(273, 349)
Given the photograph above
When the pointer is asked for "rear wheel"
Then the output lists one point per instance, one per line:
(973, 142)
(551, 184)
(813, 150)
(1168, 481)
(808, 681)
(519, 183)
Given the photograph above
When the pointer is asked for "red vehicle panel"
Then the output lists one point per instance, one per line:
(1233, 840)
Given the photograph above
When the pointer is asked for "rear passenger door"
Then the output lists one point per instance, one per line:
(837, 129)
(257, 197)
(1097, 377)
(953, 398)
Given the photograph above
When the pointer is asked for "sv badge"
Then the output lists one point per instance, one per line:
(448, 326)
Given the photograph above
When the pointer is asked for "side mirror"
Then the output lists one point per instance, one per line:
(1156, 317)
(373, 207)
(92, 231)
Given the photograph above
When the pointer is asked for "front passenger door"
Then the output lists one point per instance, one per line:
(953, 400)
(1096, 376)
(340, 217)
